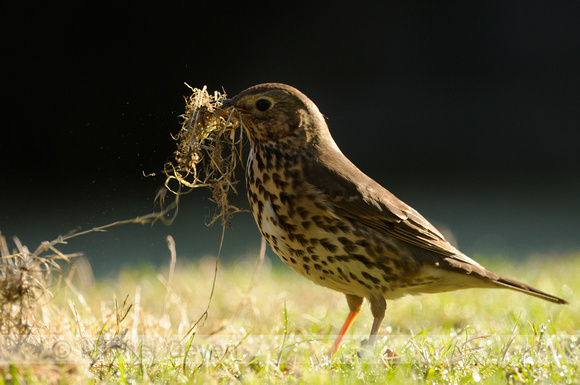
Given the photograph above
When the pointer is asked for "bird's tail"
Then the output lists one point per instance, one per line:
(522, 287)
(488, 278)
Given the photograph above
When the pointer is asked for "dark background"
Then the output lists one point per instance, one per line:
(468, 111)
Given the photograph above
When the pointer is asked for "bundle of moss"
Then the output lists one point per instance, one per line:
(208, 150)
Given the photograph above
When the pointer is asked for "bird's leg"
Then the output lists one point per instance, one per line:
(355, 306)
(378, 308)
(375, 329)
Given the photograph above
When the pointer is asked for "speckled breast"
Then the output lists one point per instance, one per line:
(303, 231)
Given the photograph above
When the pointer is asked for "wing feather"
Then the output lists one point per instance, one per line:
(354, 196)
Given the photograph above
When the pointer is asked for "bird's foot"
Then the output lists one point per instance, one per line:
(366, 349)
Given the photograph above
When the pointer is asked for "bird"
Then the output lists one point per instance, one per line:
(333, 224)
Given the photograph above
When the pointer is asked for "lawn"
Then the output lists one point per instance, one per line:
(269, 325)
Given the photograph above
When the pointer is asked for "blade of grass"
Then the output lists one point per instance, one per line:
(285, 335)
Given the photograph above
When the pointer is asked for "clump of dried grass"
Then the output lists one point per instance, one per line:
(32, 324)
(30, 321)
(208, 151)
(43, 332)
(26, 279)
(29, 280)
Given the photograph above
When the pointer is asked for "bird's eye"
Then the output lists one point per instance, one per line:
(263, 104)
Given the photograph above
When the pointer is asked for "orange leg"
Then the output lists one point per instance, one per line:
(355, 305)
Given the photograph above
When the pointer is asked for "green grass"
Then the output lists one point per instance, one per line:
(134, 329)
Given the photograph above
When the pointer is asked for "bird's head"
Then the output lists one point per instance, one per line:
(279, 114)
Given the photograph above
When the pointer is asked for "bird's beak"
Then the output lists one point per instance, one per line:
(224, 108)
(227, 108)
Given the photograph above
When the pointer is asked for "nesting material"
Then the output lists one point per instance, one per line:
(209, 147)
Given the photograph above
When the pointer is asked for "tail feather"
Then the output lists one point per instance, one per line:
(522, 287)
(488, 278)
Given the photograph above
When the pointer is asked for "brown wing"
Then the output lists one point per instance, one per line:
(353, 195)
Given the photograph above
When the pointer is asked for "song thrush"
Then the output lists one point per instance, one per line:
(333, 224)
